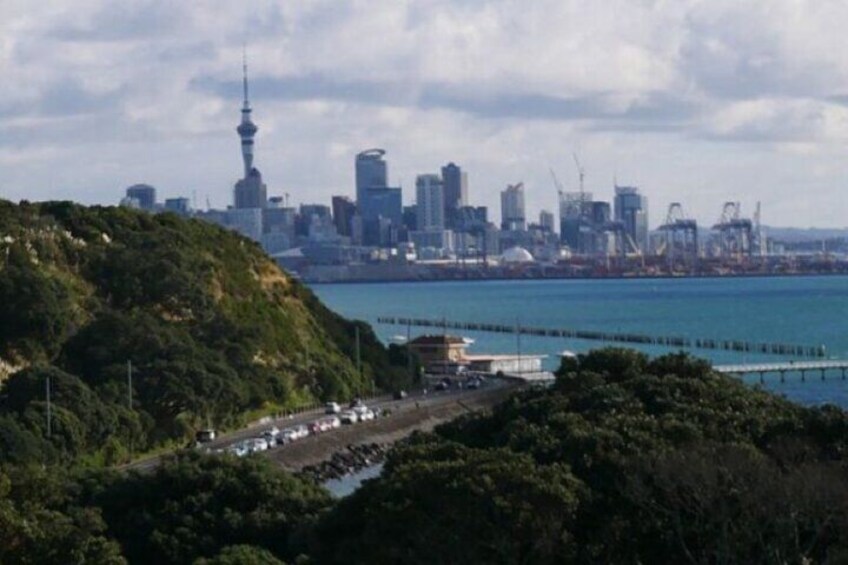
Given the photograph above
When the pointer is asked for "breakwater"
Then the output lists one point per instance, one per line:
(680, 342)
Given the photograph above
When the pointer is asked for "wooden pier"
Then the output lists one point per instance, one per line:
(677, 342)
(781, 368)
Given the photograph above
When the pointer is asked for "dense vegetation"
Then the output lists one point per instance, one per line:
(625, 460)
(212, 327)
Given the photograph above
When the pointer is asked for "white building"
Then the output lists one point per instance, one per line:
(430, 202)
(512, 208)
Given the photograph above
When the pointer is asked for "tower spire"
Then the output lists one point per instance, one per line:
(244, 68)
(246, 129)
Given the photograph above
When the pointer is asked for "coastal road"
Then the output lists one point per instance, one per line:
(433, 403)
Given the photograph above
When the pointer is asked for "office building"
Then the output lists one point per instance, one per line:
(144, 195)
(371, 172)
(246, 221)
(343, 211)
(455, 182)
(512, 208)
(547, 221)
(430, 203)
(179, 206)
(631, 209)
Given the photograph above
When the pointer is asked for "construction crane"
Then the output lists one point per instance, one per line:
(734, 232)
(560, 195)
(581, 173)
(681, 235)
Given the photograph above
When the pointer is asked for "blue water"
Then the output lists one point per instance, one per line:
(795, 310)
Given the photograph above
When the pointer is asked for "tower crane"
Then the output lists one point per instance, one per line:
(581, 173)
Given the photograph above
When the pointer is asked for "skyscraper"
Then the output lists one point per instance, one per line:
(430, 202)
(547, 221)
(250, 191)
(512, 208)
(631, 209)
(378, 204)
(456, 191)
(343, 212)
(371, 172)
(144, 194)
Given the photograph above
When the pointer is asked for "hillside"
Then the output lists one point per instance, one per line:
(212, 327)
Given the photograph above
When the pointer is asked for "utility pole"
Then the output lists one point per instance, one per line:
(409, 352)
(358, 358)
(49, 411)
(518, 342)
(129, 385)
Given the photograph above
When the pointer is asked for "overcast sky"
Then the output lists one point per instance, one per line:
(693, 101)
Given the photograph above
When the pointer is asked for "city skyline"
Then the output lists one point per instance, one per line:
(709, 110)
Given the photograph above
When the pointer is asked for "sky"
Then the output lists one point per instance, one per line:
(693, 101)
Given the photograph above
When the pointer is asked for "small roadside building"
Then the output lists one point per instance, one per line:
(434, 350)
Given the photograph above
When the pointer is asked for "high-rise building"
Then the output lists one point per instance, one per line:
(456, 191)
(371, 172)
(430, 202)
(631, 209)
(343, 212)
(378, 204)
(250, 191)
(512, 208)
(547, 221)
(178, 205)
(144, 194)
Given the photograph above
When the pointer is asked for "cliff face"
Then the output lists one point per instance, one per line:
(212, 327)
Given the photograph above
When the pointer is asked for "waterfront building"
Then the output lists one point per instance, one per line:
(455, 182)
(430, 203)
(178, 206)
(512, 208)
(144, 194)
(631, 209)
(441, 240)
(343, 211)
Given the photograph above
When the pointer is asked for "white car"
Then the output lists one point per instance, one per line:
(288, 435)
(302, 431)
(256, 445)
(332, 408)
(348, 417)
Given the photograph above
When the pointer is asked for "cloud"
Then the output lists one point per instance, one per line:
(692, 100)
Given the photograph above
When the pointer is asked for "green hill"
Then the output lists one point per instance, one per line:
(212, 327)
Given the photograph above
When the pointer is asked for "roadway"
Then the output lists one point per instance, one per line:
(416, 400)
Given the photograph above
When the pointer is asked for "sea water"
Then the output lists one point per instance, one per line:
(793, 310)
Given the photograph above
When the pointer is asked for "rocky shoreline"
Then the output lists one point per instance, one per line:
(352, 459)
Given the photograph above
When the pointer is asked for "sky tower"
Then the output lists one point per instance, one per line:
(246, 129)
(250, 191)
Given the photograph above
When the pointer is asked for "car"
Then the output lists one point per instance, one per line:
(473, 383)
(348, 417)
(365, 415)
(443, 384)
(399, 394)
(271, 435)
(239, 450)
(332, 408)
(205, 436)
(288, 435)
(330, 423)
(355, 403)
(315, 427)
(302, 431)
(257, 444)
